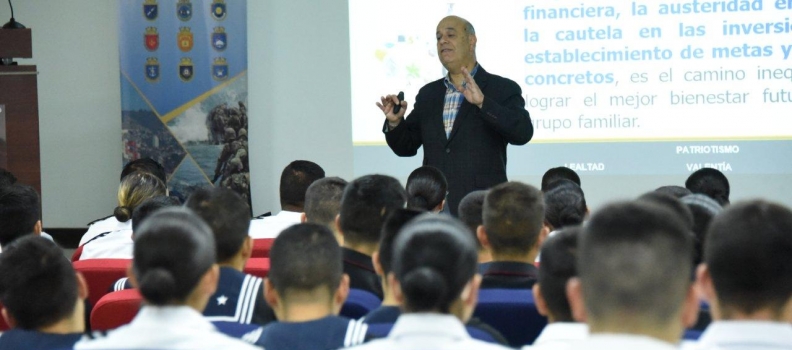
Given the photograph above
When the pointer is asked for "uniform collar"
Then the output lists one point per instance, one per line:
(429, 325)
(511, 268)
(358, 259)
(168, 316)
(622, 342)
(759, 334)
(562, 332)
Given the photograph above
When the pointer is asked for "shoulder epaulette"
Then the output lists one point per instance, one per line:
(97, 220)
(269, 213)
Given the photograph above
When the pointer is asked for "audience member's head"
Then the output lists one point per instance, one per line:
(150, 206)
(470, 213)
(634, 272)
(674, 191)
(19, 213)
(228, 215)
(671, 203)
(558, 173)
(306, 269)
(133, 190)
(323, 201)
(145, 165)
(703, 209)
(559, 256)
(39, 288)
(513, 222)
(565, 205)
(426, 189)
(711, 183)
(748, 257)
(366, 203)
(174, 259)
(434, 267)
(294, 181)
(6, 178)
(383, 257)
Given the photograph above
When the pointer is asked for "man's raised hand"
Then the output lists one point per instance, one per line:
(471, 90)
(387, 103)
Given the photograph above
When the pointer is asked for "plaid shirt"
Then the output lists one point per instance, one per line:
(453, 100)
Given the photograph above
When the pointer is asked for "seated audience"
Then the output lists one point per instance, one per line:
(323, 203)
(364, 206)
(111, 223)
(559, 254)
(513, 230)
(174, 269)
(19, 213)
(306, 287)
(634, 289)
(469, 212)
(674, 191)
(135, 188)
(711, 183)
(426, 189)
(565, 205)
(671, 203)
(558, 173)
(747, 277)
(703, 209)
(434, 279)
(294, 182)
(42, 296)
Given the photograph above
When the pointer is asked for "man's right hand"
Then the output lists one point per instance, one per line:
(386, 104)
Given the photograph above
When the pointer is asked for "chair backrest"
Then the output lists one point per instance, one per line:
(100, 274)
(115, 309)
(77, 253)
(3, 325)
(512, 312)
(258, 267)
(261, 247)
(359, 303)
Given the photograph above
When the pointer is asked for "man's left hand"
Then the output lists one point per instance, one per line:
(471, 90)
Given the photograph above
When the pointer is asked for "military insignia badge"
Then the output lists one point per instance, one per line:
(152, 69)
(184, 10)
(218, 9)
(150, 9)
(220, 69)
(186, 69)
(151, 39)
(219, 39)
(185, 39)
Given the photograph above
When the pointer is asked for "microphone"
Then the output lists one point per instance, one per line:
(396, 108)
(12, 24)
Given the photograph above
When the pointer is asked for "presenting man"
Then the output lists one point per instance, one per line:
(464, 121)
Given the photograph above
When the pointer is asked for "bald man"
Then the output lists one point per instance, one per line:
(464, 121)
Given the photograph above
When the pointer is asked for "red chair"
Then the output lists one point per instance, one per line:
(77, 253)
(261, 247)
(115, 309)
(100, 274)
(258, 267)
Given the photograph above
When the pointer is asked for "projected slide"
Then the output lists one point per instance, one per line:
(613, 86)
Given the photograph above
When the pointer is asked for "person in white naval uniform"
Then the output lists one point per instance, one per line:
(434, 278)
(634, 286)
(747, 278)
(175, 271)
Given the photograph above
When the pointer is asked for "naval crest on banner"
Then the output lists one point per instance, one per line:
(184, 10)
(186, 70)
(218, 9)
(219, 39)
(152, 69)
(151, 39)
(185, 39)
(220, 69)
(150, 9)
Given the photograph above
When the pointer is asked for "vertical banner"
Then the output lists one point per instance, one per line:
(184, 90)
(3, 143)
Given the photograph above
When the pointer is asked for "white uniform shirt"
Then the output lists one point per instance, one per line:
(102, 226)
(744, 335)
(559, 336)
(166, 328)
(271, 226)
(428, 331)
(116, 244)
(602, 341)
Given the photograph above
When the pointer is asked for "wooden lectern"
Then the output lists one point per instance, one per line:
(19, 94)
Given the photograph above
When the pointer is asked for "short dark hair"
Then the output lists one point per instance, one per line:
(227, 214)
(565, 205)
(393, 224)
(305, 257)
(704, 209)
(749, 255)
(366, 203)
(711, 183)
(173, 250)
(559, 255)
(513, 217)
(634, 260)
(554, 174)
(323, 200)
(150, 206)
(671, 203)
(470, 211)
(38, 285)
(295, 179)
(146, 165)
(434, 257)
(7, 178)
(19, 212)
(426, 188)
(674, 191)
